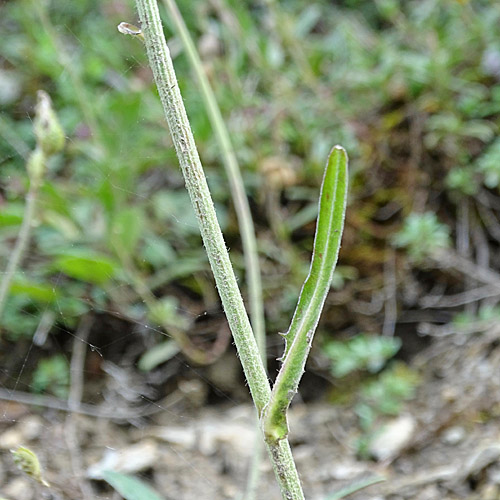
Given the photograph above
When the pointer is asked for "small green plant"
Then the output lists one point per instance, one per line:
(489, 165)
(421, 235)
(52, 375)
(362, 352)
(463, 180)
(49, 141)
(384, 396)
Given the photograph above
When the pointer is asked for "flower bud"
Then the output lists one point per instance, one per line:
(48, 131)
(28, 462)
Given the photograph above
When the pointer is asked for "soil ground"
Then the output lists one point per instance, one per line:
(445, 445)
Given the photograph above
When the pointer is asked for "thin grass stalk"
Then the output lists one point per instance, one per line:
(21, 242)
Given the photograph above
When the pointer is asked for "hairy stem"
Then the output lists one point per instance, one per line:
(196, 184)
(243, 214)
(236, 184)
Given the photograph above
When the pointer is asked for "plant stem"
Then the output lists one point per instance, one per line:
(243, 214)
(21, 243)
(196, 184)
(236, 184)
(284, 469)
(49, 141)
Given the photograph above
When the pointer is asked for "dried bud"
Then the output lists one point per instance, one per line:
(48, 131)
(130, 29)
(28, 462)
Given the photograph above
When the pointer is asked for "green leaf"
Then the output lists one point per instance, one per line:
(92, 268)
(158, 252)
(106, 195)
(363, 352)
(332, 205)
(52, 375)
(11, 216)
(15, 322)
(129, 487)
(164, 312)
(127, 229)
(175, 208)
(422, 234)
(158, 355)
(52, 196)
(71, 307)
(326, 248)
(35, 291)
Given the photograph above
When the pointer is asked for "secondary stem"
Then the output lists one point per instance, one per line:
(21, 243)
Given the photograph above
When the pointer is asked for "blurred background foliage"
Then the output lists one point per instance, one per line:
(411, 90)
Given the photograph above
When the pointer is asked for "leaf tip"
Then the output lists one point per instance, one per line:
(339, 149)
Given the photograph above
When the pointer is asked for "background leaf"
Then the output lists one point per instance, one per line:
(127, 229)
(92, 268)
(129, 487)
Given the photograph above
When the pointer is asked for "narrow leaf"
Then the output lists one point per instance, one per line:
(326, 248)
(158, 355)
(129, 487)
(38, 292)
(355, 487)
(11, 216)
(332, 205)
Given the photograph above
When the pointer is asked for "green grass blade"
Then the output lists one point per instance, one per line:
(332, 205)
